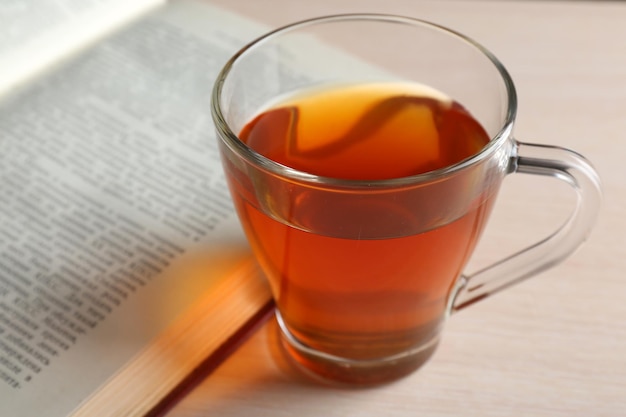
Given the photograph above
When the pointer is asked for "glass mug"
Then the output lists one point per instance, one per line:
(363, 239)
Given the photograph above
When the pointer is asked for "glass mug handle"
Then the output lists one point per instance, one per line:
(564, 165)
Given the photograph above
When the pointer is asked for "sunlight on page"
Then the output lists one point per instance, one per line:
(42, 34)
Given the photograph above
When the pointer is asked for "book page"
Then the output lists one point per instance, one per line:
(114, 213)
(37, 34)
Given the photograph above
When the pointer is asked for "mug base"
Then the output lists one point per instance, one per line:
(335, 370)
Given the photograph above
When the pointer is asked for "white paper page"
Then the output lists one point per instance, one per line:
(113, 205)
(37, 34)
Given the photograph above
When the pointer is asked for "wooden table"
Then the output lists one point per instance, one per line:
(552, 346)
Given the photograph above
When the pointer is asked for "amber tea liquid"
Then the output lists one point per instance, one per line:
(362, 278)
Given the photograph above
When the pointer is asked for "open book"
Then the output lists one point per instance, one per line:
(124, 275)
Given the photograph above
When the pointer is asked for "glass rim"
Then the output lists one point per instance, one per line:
(232, 140)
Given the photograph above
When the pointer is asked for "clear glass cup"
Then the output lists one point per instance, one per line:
(348, 314)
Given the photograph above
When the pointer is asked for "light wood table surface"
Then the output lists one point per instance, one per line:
(554, 345)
